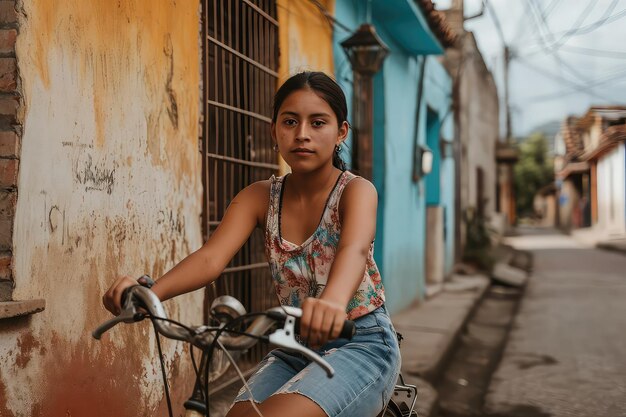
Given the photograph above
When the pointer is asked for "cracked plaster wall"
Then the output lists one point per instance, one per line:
(109, 183)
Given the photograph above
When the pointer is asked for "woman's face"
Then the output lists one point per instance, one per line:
(307, 131)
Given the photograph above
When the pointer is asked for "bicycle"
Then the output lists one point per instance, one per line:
(229, 316)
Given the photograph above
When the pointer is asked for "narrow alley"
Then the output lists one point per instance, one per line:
(194, 141)
(565, 354)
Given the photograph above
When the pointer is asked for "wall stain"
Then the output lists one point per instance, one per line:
(103, 384)
(122, 53)
(4, 404)
(25, 344)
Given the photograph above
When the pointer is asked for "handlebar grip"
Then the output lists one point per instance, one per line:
(144, 281)
(125, 294)
(347, 331)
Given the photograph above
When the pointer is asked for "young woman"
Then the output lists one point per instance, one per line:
(319, 224)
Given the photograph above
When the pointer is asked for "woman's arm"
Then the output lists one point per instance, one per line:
(203, 266)
(322, 318)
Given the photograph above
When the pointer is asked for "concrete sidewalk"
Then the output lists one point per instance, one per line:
(431, 331)
(592, 236)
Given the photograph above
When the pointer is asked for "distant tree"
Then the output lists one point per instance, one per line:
(534, 170)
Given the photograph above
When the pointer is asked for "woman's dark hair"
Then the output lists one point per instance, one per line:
(326, 88)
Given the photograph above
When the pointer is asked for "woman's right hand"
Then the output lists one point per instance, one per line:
(112, 299)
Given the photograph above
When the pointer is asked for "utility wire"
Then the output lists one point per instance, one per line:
(542, 21)
(576, 28)
(329, 17)
(590, 27)
(594, 52)
(601, 81)
(495, 19)
(581, 18)
(549, 9)
(562, 80)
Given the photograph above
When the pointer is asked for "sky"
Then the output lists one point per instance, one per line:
(568, 55)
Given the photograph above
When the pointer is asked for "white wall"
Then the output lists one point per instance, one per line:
(611, 191)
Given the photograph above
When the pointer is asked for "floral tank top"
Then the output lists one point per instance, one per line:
(301, 271)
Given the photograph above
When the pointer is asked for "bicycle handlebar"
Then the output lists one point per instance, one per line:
(203, 336)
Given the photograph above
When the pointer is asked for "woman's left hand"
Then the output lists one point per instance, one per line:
(321, 321)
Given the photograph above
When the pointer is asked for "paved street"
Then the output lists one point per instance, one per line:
(566, 352)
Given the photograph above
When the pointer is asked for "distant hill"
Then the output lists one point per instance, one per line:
(549, 130)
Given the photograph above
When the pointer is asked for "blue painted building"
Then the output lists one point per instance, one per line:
(411, 77)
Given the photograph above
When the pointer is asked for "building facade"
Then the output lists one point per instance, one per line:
(411, 111)
(477, 128)
(590, 167)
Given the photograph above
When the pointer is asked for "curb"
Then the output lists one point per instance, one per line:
(431, 332)
(613, 247)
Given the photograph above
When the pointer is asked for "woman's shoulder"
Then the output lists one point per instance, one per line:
(359, 186)
(258, 189)
(357, 191)
(255, 197)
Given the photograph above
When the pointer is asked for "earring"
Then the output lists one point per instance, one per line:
(338, 149)
(275, 147)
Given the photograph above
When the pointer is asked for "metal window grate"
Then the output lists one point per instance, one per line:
(240, 47)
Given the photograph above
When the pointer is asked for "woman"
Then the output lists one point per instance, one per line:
(319, 224)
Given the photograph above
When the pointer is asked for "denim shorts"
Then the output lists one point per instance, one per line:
(366, 369)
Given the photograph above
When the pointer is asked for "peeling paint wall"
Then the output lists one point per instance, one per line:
(305, 41)
(109, 184)
(306, 37)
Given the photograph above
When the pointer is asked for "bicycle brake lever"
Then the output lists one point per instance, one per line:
(126, 316)
(285, 338)
(129, 314)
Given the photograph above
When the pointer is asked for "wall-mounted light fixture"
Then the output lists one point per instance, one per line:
(366, 53)
(365, 50)
(423, 162)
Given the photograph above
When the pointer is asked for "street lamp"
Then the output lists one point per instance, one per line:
(366, 53)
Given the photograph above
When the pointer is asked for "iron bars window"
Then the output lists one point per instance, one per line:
(240, 61)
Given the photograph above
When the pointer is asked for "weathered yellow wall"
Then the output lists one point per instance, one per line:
(305, 40)
(108, 184)
(306, 37)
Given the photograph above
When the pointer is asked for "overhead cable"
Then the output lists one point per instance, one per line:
(594, 52)
(619, 75)
(560, 79)
(496, 21)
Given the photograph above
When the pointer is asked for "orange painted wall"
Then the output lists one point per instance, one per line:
(306, 37)
(108, 184)
(305, 41)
